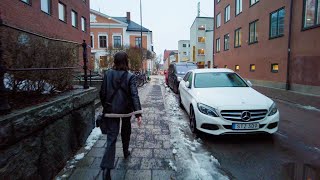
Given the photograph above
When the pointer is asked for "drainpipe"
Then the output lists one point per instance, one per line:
(214, 31)
(288, 83)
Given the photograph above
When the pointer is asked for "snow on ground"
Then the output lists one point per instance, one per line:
(192, 161)
(93, 137)
(310, 108)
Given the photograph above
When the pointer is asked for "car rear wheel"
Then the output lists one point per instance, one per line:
(193, 122)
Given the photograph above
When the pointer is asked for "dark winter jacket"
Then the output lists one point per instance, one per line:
(125, 102)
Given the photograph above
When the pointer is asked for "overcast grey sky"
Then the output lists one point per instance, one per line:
(169, 20)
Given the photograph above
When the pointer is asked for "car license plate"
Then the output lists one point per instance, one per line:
(245, 126)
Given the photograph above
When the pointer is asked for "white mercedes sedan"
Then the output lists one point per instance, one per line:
(219, 101)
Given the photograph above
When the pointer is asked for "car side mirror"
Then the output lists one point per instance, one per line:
(187, 84)
(249, 83)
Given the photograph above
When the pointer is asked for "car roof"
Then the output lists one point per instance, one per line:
(211, 70)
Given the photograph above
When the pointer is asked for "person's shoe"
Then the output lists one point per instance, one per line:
(126, 154)
(106, 174)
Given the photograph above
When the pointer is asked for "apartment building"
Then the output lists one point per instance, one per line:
(272, 43)
(184, 51)
(112, 33)
(201, 42)
(57, 21)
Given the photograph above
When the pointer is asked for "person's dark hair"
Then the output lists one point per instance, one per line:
(121, 62)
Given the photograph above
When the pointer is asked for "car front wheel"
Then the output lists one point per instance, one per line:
(193, 122)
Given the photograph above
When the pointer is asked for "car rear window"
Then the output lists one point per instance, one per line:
(183, 69)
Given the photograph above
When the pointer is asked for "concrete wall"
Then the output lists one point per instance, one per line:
(36, 142)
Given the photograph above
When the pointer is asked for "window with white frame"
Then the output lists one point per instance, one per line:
(74, 17)
(226, 42)
(62, 12)
(26, 1)
(227, 14)
(218, 45)
(238, 6)
(46, 6)
(117, 42)
(83, 24)
(218, 20)
(103, 41)
(253, 2)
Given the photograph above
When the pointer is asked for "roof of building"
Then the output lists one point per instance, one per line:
(167, 53)
(132, 26)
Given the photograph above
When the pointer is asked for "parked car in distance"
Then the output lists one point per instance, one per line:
(219, 101)
(176, 72)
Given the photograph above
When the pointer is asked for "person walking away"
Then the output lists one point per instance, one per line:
(120, 101)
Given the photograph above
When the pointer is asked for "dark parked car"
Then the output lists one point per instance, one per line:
(176, 73)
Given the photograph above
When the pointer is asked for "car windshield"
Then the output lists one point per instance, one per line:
(218, 79)
(183, 69)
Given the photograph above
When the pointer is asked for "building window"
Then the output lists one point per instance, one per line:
(274, 68)
(184, 45)
(237, 37)
(218, 45)
(252, 67)
(218, 20)
(74, 18)
(27, 1)
(201, 39)
(253, 34)
(91, 41)
(227, 14)
(253, 2)
(185, 53)
(237, 67)
(45, 6)
(277, 23)
(117, 41)
(202, 27)
(189, 45)
(226, 42)
(225, 66)
(238, 7)
(83, 24)
(311, 14)
(102, 41)
(138, 42)
(201, 52)
(62, 12)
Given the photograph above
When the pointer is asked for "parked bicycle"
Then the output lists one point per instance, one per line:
(141, 78)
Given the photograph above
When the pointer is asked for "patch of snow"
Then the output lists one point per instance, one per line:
(79, 156)
(72, 166)
(172, 166)
(64, 176)
(310, 108)
(93, 137)
(174, 151)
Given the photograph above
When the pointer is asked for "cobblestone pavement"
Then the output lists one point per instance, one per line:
(150, 145)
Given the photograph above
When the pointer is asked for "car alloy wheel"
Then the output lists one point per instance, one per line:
(193, 124)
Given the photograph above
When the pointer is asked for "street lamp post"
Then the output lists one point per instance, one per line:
(141, 50)
(85, 67)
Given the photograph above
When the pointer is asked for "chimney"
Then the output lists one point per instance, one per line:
(128, 16)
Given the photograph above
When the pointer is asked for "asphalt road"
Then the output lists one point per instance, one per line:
(292, 153)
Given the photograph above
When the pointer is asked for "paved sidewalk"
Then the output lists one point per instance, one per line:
(290, 96)
(150, 146)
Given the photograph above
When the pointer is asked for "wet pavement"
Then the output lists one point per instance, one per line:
(292, 153)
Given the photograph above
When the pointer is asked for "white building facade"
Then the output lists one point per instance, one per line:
(184, 51)
(201, 42)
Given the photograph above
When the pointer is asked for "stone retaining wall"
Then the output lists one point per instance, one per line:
(36, 142)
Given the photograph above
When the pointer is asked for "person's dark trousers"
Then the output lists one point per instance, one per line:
(113, 126)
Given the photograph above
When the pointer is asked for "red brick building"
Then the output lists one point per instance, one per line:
(272, 43)
(56, 20)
